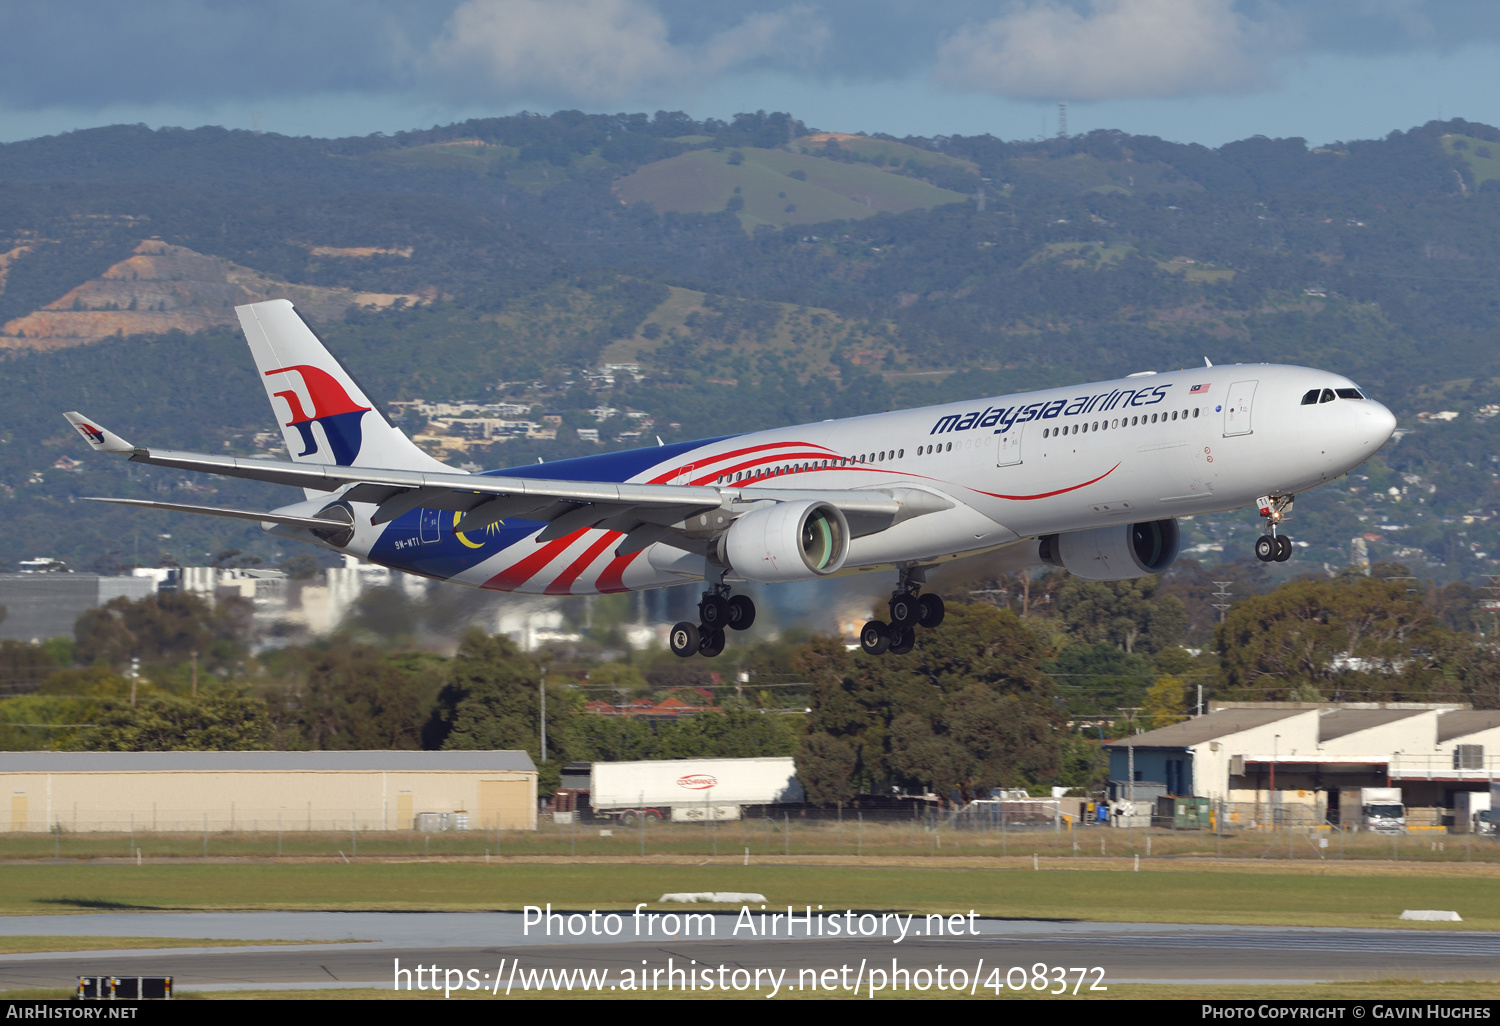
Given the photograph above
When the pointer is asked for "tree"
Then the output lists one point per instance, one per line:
(1166, 702)
(1127, 614)
(1355, 635)
(358, 698)
(23, 666)
(164, 627)
(492, 700)
(221, 718)
(1101, 678)
(968, 708)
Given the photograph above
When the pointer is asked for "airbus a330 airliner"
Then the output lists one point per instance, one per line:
(1090, 479)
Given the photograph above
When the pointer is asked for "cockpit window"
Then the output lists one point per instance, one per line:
(1310, 397)
(1349, 393)
(1327, 396)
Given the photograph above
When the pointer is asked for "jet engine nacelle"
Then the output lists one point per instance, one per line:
(1116, 553)
(787, 541)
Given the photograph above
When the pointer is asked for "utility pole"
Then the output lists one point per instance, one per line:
(135, 673)
(195, 672)
(1275, 754)
(542, 687)
(1493, 602)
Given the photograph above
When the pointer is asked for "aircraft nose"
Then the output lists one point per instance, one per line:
(1377, 424)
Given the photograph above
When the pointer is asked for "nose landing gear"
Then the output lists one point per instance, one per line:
(717, 611)
(909, 610)
(1272, 547)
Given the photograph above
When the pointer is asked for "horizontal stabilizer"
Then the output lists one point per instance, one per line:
(237, 514)
(99, 439)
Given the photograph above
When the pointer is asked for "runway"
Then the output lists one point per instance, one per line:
(483, 947)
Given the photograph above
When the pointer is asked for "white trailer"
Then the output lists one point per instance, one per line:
(691, 789)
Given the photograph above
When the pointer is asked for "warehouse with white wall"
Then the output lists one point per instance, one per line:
(1304, 755)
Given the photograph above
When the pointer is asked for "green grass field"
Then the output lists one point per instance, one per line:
(703, 181)
(803, 339)
(1349, 896)
(766, 838)
(1483, 157)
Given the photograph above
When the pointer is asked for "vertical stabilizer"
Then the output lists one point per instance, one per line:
(325, 416)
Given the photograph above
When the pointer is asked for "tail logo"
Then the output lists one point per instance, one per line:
(88, 431)
(339, 415)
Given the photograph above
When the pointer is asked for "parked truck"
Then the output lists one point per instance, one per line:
(688, 790)
(1381, 810)
(1472, 813)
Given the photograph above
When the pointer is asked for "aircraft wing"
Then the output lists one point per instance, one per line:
(644, 513)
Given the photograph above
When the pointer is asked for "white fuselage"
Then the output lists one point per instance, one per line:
(1015, 467)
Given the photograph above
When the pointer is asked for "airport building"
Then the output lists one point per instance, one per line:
(267, 791)
(1301, 757)
(39, 606)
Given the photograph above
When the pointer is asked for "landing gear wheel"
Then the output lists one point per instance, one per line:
(1265, 548)
(1283, 549)
(710, 643)
(904, 610)
(684, 639)
(741, 612)
(903, 639)
(713, 612)
(930, 611)
(875, 638)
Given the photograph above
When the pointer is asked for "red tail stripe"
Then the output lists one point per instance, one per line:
(519, 573)
(720, 457)
(790, 457)
(613, 578)
(563, 585)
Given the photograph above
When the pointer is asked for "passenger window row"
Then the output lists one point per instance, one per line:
(799, 468)
(1123, 422)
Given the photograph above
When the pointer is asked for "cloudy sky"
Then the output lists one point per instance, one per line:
(1191, 70)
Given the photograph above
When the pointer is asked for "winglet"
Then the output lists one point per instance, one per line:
(99, 439)
(1207, 362)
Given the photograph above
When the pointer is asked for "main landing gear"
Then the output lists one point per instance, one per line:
(909, 610)
(1272, 547)
(717, 611)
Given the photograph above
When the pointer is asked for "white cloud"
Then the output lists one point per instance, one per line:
(1112, 49)
(601, 50)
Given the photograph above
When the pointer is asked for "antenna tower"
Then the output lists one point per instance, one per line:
(1062, 119)
(1223, 596)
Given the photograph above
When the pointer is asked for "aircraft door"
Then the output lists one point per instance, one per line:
(1237, 408)
(1008, 446)
(431, 531)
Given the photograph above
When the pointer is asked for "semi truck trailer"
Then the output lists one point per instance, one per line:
(690, 789)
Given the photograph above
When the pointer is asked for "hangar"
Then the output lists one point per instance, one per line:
(267, 791)
(1299, 756)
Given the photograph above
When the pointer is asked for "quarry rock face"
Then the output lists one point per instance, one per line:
(162, 287)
